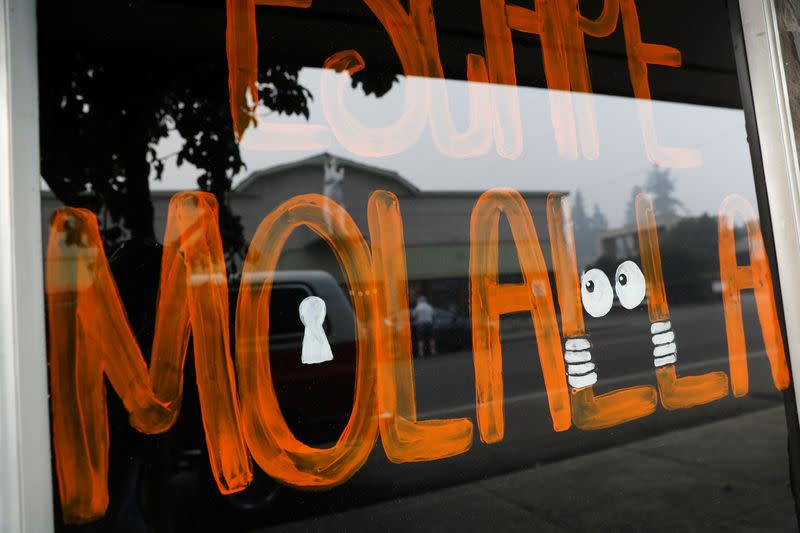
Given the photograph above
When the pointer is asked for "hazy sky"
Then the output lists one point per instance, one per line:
(719, 135)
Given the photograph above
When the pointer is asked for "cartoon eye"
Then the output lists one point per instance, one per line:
(596, 293)
(629, 284)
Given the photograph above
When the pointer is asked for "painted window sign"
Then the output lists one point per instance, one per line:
(216, 319)
(494, 116)
(193, 298)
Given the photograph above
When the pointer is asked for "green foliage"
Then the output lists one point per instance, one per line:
(690, 259)
(630, 207)
(586, 228)
(106, 102)
(661, 187)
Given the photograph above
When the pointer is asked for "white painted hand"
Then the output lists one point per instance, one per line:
(580, 368)
(665, 351)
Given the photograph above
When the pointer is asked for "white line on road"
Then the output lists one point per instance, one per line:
(530, 396)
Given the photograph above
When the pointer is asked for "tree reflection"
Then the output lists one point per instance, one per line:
(106, 102)
(103, 115)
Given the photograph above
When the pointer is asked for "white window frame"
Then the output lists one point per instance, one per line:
(26, 495)
(25, 460)
(778, 156)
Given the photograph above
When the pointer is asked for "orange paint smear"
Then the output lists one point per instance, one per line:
(575, 26)
(676, 392)
(402, 30)
(604, 25)
(588, 411)
(350, 131)
(736, 278)
(272, 137)
(490, 300)
(404, 133)
(503, 76)
(650, 255)
(274, 447)
(565, 265)
(476, 140)
(404, 437)
(416, 44)
(562, 28)
(641, 54)
(242, 52)
(284, 3)
(546, 22)
(90, 339)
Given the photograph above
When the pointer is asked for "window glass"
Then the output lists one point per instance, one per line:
(431, 264)
(282, 316)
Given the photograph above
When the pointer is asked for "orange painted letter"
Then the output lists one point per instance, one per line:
(404, 438)
(491, 299)
(404, 132)
(90, 339)
(477, 139)
(561, 28)
(641, 54)
(736, 278)
(503, 76)
(588, 411)
(274, 447)
(242, 51)
(676, 393)
(350, 131)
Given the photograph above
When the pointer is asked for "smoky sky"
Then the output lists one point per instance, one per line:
(717, 133)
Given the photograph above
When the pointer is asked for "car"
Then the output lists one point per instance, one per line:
(316, 400)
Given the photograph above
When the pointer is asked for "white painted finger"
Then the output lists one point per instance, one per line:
(666, 360)
(577, 344)
(660, 327)
(664, 338)
(666, 349)
(578, 382)
(585, 368)
(578, 357)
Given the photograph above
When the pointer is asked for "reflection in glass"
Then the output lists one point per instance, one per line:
(450, 211)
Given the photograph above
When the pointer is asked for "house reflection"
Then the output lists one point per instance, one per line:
(436, 223)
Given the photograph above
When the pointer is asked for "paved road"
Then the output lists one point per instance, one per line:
(685, 480)
(623, 352)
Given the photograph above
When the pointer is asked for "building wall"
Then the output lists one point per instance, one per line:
(436, 225)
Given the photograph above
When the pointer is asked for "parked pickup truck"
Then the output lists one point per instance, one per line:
(316, 400)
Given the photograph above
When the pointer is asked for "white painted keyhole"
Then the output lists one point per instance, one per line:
(316, 348)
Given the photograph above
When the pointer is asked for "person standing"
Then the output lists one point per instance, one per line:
(422, 317)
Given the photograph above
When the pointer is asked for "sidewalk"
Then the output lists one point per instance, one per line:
(730, 475)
